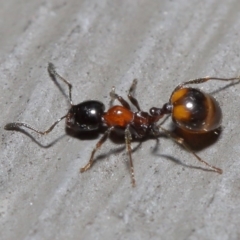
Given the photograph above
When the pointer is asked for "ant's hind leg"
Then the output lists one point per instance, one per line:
(128, 139)
(98, 145)
(114, 96)
(203, 80)
(52, 72)
(182, 143)
(133, 100)
(16, 125)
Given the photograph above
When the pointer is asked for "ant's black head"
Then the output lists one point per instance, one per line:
(86, 116)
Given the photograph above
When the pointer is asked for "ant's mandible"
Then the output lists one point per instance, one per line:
(191, 110)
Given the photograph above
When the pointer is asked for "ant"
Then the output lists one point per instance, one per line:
(191, 110)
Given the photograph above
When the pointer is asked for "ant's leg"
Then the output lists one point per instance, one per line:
(52, 71)
(155, 128)
(16, 125)
(163, 121)
(133, 100)
(114, 96)
(203, 80)
(128, 139)
(98, 145)
(182, 143)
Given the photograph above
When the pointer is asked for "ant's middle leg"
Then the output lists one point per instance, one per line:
(98, 145)
(128, 139)
(133, 100)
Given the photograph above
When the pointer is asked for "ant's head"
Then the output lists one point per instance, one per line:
(86, 116)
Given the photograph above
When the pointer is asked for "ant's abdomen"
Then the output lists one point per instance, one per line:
(195, 111)
(118, 116)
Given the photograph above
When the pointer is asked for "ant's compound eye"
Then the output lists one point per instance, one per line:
(194, 110)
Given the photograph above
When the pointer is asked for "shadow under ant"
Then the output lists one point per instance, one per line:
(200, 142)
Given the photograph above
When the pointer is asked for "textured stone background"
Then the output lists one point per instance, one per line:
(95, 45)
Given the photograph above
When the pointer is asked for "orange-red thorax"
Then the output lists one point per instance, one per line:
(118, 116)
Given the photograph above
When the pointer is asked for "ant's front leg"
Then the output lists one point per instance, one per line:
(53, 73)
(16, 125)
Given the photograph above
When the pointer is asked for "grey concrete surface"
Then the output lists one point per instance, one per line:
(95, 45)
